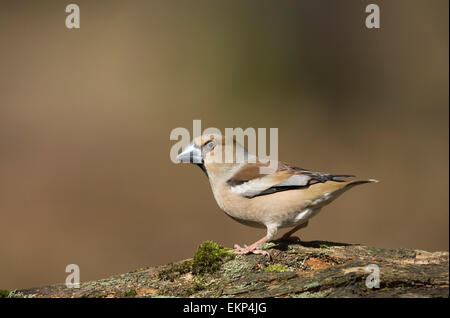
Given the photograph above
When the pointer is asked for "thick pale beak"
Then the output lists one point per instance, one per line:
(191, 154)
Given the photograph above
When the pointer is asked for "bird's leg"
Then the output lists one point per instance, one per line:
(271, 232)
(287, 236)
(252, 248)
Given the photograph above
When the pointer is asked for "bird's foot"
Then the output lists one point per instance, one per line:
(252, 249)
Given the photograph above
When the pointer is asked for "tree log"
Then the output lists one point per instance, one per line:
(295, 269)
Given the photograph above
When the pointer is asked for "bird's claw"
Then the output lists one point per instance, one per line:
(249, 249)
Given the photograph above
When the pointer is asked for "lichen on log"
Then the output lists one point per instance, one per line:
(300, 269)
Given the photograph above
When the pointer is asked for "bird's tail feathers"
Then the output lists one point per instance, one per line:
(336, 177)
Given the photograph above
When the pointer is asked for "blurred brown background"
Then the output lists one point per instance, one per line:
(85, 118)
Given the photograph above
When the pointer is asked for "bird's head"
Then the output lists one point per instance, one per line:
(217, 155)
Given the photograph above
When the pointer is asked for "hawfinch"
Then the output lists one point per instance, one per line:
(286, 197)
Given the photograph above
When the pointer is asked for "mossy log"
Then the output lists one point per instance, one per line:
(301, 269)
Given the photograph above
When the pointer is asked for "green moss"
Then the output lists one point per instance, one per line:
(278, 268)
(4, 293)
(209, 257)
(130, 293)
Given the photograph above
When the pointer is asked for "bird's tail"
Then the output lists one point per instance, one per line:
(337, 178)
(334, 189)
(350, 184)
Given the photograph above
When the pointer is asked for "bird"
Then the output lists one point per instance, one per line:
(287, 197)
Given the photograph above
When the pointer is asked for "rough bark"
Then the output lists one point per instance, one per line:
(306, 269)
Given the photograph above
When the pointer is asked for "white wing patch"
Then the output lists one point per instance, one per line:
(256, 186)
(295, 180)
(252, 187)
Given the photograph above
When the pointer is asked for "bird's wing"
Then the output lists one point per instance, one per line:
(249, 182)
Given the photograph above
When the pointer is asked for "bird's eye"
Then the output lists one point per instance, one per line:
(208, 146)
